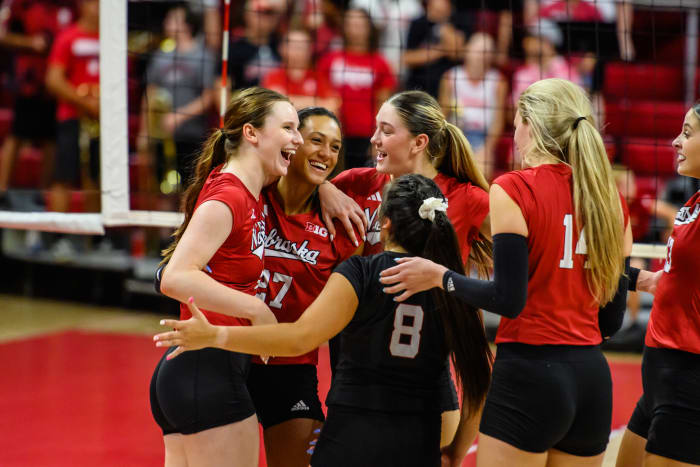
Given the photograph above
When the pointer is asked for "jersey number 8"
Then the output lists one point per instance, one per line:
(406, 349)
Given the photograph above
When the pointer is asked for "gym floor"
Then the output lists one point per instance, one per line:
(75, 386)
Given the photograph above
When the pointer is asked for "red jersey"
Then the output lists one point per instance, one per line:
(313, 84)
(562, 11)
(467, 204)
(467, 207)
(77, 52)
(238, 262)
(299, 259)
(35, 18)
(675, 315)
(366, 186)
(357, 78)
(560, 309)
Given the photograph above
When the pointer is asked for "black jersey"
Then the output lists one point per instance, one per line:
(391, 355)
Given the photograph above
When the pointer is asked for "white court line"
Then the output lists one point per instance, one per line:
(613, 434)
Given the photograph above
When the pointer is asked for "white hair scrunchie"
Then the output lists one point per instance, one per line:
(429, 206)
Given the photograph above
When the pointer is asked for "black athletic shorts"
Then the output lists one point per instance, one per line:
(284, 392)
(34, 118)
(199, 390)
(448, 392)
(554, 396)
(668, 413)
(68, 154)
(354, 437)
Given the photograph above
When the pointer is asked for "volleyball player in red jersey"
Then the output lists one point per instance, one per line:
(299, 258)
(201, 403)
(666, 421)
(412, 136)
(560, 240)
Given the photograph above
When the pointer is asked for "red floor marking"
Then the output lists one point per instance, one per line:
(78, 399)
(627, 388)
(81, 399)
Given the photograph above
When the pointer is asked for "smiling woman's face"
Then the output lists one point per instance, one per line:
(687, 146)
(392, 140)
(279, 138)
(318, 156)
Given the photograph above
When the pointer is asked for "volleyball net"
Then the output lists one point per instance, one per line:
(638, 59)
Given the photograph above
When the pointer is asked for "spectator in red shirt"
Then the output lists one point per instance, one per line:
(28, 31)
(73, 76)
(363, 78)
(296, 78)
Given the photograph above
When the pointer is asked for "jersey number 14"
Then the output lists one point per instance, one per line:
(567, 262)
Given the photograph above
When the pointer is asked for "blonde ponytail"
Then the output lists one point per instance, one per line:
(553, 108)
(598, 209)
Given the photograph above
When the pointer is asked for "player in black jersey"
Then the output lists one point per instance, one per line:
(383, 405)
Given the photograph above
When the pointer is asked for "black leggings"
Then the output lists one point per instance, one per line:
(199, 390)
(554, 396)
(668, 413)
(353, 437)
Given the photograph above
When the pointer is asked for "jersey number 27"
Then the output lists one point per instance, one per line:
(264, 282)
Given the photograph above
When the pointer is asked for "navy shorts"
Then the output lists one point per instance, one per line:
(668, 413)
(354, 437)
(284, 392)
(199, 390)
(34, 118)
(69, 157)
(554, 396)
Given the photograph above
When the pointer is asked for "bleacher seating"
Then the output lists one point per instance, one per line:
(644, 118)
(5, 122)
(647, 156)
(27, 172)
(643, 81)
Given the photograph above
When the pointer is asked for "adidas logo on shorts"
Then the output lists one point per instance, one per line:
(300, 406)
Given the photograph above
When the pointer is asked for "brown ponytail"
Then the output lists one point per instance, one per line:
(249, 105)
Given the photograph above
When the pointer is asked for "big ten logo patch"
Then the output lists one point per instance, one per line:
(316, 229)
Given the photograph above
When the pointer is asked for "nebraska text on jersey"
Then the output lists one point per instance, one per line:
(258, 238)
(685, 217)
(281, 248)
